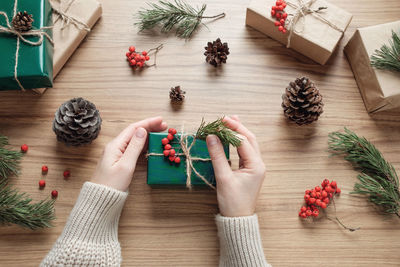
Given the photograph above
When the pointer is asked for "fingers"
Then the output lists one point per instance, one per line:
(237, 126)
(135, 147)
(247, 154)
(218, 157)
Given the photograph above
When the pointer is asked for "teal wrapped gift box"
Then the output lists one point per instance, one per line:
(35, 62)
(161, 171)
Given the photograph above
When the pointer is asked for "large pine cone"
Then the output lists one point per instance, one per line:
(176, 94)
(22, 21)
(77, 122)
(302, 102)
(216, 52)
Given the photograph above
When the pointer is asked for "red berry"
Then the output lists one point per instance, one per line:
(277, 23)
(167, 147)
(312, 200)
(273, 13)
(24, 148)
(315, 213)
(170, 137)
(128, 54)
(307, 197)
(54, 193)
(318, 194)
(303, 208)
(338, 191)
(171, 158)
(317, 188)
(284, 30)
(282, 22)
(132, 48)
(328, 189)
(308, 192)
(308, 212)
(303, 215)
(324, 194)
(323, 205)
(172, 152)
(313, 194)
(278, 15)
(45, 169)
(318, 202)
(146, 58)
(273, 8)
(330, 195)
(164, 141)
(132, 62)
(284, 5)
(284, 15)
(166, 153)
(144, 53)
(172, 131)
(325, 183)
(42, 183)
(326, 200)
(67, 174)
(177, 160)
(139, 64)
(333, 184)
(278, 3)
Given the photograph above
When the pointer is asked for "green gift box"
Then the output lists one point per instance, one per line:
(35, 62)
(161, 171)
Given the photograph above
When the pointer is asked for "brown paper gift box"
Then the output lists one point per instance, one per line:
(67, 40)
(311, 37)
(380, 89)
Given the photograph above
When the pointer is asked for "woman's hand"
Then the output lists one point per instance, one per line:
(237, 191)
(115, 168)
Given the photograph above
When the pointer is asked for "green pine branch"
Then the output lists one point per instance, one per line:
(388, 57)
(218, 128)
(378, 179)
(9, 160)
(178, 14)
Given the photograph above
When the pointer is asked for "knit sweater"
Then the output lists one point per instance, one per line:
(90, 237)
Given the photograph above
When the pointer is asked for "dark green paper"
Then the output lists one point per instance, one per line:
(160, 171)
(35, 63)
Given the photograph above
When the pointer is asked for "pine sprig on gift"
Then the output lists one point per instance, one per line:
(218, 128)
(388, 57)
(378, 179)
(16, 208)
(9, 160)
(168, 15)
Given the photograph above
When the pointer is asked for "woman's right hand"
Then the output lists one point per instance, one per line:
(237, 191)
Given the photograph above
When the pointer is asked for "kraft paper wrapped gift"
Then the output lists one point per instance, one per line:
(315, 35)
(67, 37)
(33, 67)
(161, 171)
(380, 89)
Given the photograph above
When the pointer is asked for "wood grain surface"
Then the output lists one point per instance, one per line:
(175, 227)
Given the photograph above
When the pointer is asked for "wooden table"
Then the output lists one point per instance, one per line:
(175, 227)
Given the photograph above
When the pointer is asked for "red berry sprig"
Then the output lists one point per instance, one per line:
(319, 197)
(168, 150)
(278, 12)
(138, 59)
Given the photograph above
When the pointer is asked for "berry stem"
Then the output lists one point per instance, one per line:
(338, 221)
(213, 17)
(155, 50)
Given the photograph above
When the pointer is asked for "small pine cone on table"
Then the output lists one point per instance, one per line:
(216, 52)
(77, 122)
(22, 21)
(302, 101)
(176, 94)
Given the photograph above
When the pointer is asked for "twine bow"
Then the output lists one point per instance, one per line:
(184, 143)
(66, 19)
(21, 37)
(301, 10)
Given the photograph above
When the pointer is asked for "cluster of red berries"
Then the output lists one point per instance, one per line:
(168, 150)
(319, 197)
(278, 12)
(137, 59)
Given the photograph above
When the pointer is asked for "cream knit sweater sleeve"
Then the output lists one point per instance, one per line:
(90, 237)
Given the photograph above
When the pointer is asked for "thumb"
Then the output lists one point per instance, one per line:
(218, 158)
(135, 146)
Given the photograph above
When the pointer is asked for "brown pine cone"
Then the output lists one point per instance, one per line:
(302, 102)
(22, 21)
(176, 94)
(216, 52)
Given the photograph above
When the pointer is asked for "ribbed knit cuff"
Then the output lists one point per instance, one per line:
(240, 241)
(95, 215)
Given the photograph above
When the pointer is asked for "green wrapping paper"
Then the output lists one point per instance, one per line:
(161, 171)
(35, 63)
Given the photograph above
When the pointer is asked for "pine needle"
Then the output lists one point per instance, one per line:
(9, 160)
(218, 128)
(388, 57)
(378, 179)
(178, 14)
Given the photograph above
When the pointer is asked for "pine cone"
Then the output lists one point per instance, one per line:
(216, 52)
(177, 94)
(77, 122)
(22, 21)
(302, 102)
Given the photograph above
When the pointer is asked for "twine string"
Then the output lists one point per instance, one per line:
(40, 33)
(184, 143)
(303, 9)
(66, 19)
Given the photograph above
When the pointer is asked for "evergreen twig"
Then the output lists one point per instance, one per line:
(9, 160)
(168, 15)
(378, 179)
(218, 128)
(388, 57)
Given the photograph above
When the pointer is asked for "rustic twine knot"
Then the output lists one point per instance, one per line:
(184, 143)
(21, 37)
(66, 20)
(303, 9)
